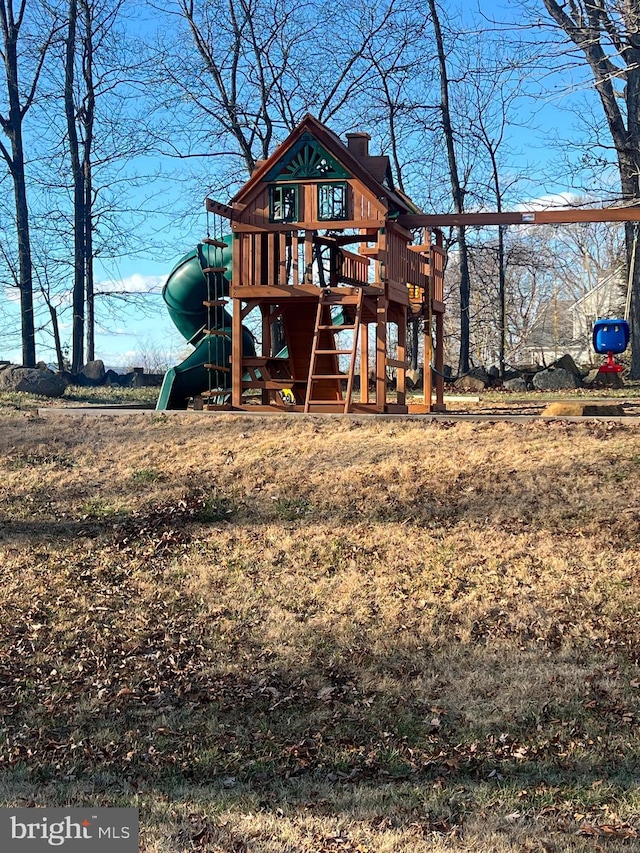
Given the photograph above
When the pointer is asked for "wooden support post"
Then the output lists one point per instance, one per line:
(257, 265)
(236, 355)
(265, 311)
(236, 325)
(427, 383)
(271, 260)
(364, 363)
(440, 363)
(295, 258)
(282, 259)
(308, 257)
(381, 354)
(381, 271)
(401, 372)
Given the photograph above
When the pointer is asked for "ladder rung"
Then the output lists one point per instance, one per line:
(218, 332)
(316, 376)
(209, 241)
(213, 303)
(334, 351)
(337, 299)
(215, 392)
(205, 270)
(337, 328)
(217, 367)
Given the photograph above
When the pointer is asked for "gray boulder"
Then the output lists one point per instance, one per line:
(556, 379)
(568, 364)
(516, 384)
(32, 380)
(597, 379)
(93, 372)
(470, 383)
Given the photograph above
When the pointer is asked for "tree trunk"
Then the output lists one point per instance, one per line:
(12, 126)
(502, 302)
(56, 335)
(24, 255)
(413, 340)
(456, 190)
(88, 116)
(77, 334)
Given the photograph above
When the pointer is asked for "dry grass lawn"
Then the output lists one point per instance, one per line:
(324, 635)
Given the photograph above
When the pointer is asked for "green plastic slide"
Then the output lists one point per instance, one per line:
(186, 290)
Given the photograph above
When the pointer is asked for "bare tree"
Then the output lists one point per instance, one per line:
(607, 34)
(258, 67)
(493, 88)
(457, 189)
(20, 55)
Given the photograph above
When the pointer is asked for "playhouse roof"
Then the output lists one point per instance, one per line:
(374, 172)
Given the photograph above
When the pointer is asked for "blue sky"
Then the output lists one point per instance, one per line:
(133, 335)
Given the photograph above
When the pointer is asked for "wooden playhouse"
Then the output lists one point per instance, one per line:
(325, 272)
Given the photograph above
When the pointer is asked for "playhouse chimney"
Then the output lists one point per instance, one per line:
(358, 144)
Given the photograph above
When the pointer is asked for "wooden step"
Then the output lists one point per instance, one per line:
(206, 270)
(316, 376)
(217, 367)
(334, 351)
(213, 303)
(209, 241)
(219, 332)
(336, 299)
(215, 392)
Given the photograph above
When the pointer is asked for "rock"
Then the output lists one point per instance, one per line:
(512, 374)
(479, 373)
(94, 372)
(555, 379)
(568, 364)
(517, 384)
(582, 410)
(469, 383)
(603, 379)
(591, 378)
(414, 379)
(111, 378)
(32, 380)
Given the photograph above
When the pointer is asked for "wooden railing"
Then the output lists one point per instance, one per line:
(287, 258)
(437, 255)
(354, 269)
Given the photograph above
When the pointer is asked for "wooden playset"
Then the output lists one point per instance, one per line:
(323, 263)
(319, 252)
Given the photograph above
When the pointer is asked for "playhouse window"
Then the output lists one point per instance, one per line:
(332, 201)
(283, 203)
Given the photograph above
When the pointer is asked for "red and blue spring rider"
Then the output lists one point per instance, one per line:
(610, 337)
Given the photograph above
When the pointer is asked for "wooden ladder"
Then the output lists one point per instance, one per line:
(218, 389)
(326, 301)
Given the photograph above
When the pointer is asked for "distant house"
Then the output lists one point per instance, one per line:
(565, 326)
(551, 333)
(606, 299)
